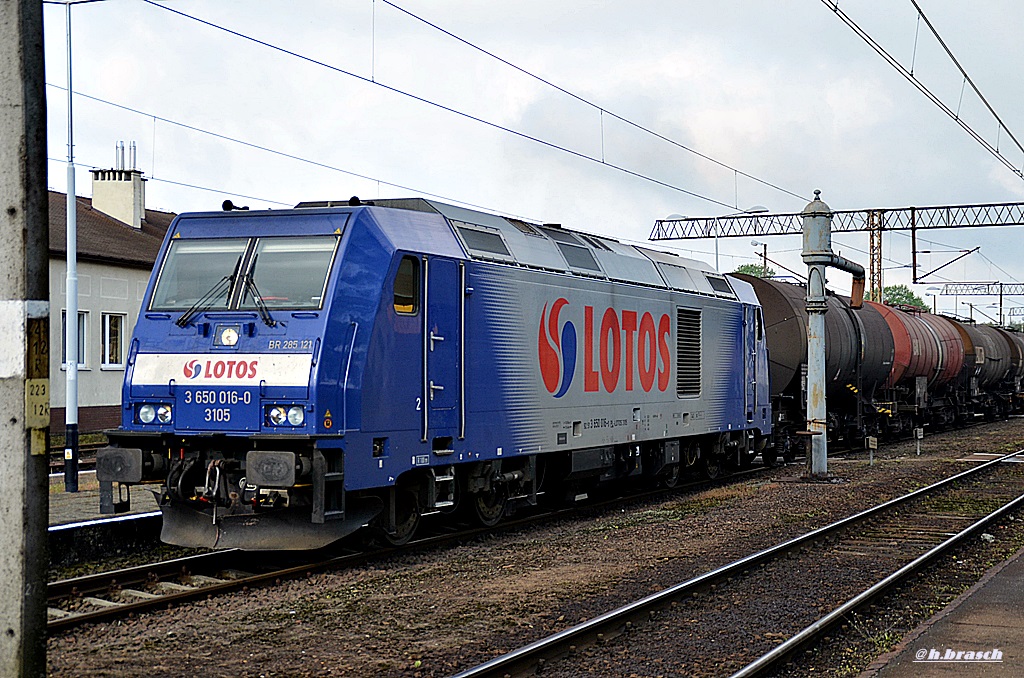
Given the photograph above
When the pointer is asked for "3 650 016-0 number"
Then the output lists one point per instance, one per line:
(211, 397)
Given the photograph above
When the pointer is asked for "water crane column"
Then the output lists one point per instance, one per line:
(817, 254)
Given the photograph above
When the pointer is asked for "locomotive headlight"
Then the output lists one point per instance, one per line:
(147, 413)
(277, 415)
(286, 415)
(163, 414)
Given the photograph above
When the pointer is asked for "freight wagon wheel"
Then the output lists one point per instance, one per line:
(407, 518)
(489, 507)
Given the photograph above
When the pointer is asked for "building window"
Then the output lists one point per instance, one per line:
(113, 339)
(83, 327)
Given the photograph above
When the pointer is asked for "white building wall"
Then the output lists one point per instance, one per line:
(101, 289)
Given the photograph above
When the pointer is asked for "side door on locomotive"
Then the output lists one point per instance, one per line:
(443, 353)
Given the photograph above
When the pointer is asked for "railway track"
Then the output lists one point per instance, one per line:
(108, 596)
(86, 458)
(896, 538)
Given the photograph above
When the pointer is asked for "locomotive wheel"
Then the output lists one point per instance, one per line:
(711, 466)
(670, 476)
(769, 457)
(488, 507)
(407, 518)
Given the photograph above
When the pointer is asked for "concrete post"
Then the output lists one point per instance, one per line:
(817, 254)
(24, 351)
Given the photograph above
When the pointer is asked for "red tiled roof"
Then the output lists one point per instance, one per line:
(102, 238)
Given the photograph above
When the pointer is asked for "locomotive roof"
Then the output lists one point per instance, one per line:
(490, 237)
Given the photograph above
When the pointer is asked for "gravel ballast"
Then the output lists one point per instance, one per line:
(434, 613)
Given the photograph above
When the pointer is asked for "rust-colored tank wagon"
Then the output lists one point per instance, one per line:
(951, 349)
(917, 350)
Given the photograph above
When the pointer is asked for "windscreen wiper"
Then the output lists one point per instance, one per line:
(250, 286)
(206, 301)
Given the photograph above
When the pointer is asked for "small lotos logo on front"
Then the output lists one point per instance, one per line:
(622, 349)
(193, 369)
(221, 369)
(556, 350)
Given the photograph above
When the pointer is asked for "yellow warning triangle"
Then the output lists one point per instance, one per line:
(327, 415)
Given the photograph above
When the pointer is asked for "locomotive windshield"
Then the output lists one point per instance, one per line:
(290, 272)
(192, 269)
(285, 272)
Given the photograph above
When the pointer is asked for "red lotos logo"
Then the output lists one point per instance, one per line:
(628, 350)
(193, 369)
(221, 369)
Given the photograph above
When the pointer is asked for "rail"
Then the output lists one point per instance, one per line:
(528, 659)
(113, 595)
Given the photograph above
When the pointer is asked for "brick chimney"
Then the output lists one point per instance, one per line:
(120, 193)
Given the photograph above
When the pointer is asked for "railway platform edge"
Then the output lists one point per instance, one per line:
(84, 505)
(985, 620)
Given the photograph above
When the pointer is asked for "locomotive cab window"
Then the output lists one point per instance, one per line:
(407, 286)
(194, 269)
(290, 272)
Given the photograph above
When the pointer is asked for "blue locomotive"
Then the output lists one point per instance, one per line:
(298, 374)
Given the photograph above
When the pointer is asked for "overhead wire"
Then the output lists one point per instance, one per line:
(967, 78)
(272, 151)
(604, 111)
(443, 107)
(959, 249)
(921, 87)
(181, 183)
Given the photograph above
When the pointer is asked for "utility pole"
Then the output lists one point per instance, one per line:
(764, 260)
(71, 357)
(24, 353)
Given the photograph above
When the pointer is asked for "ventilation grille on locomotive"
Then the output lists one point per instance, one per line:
(687, 352)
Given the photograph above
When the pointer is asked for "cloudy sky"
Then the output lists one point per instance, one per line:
(329, 103)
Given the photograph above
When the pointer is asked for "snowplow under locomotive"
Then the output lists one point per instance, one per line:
(298, 374)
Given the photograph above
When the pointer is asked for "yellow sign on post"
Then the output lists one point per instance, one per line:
(37, 403)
